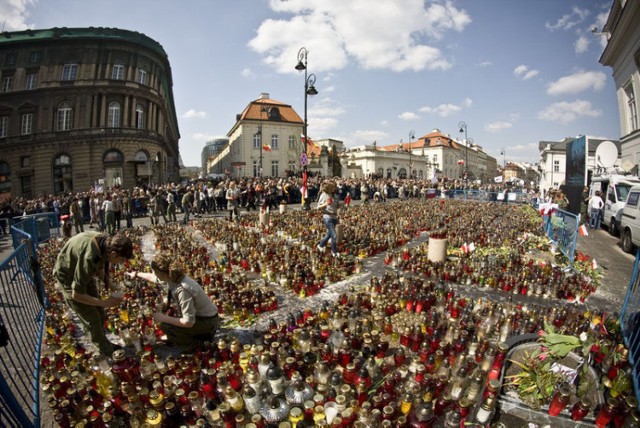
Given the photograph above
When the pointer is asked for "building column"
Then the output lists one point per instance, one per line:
(125, 111)
(103, 110)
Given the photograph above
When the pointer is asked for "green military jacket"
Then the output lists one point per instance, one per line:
(79, 261)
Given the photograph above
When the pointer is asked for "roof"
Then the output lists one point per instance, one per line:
(262, 109)
(432, 139)
(64, 33)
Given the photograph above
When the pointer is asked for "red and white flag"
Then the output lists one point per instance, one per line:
(471, 247)
(582, 230)
(465, 248)
(594, 264)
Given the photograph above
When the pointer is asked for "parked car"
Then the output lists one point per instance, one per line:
(630, 221)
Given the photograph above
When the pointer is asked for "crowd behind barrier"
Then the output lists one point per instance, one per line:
(91, 207)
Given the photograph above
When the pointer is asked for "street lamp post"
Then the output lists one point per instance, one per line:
(412, 135)
(309, 89)
(503, 152)
(463, 128)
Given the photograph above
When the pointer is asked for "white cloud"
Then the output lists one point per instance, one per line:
(467, 102)
(199, 136)
(601, 20)
(328, 89)
(497, 126)
(369, 136)
(578, 82)
(190, 114)
(408, 115)
(377, 35)
(324, 115)
(384, 123)
(444, 110)
(14, 14)
(485, 64)
(565, 112)
(569, 20)
(582, 44)
(524, 72)
(247, 72)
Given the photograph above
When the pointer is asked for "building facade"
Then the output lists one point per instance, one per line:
(81, 107)
(210, 150)
(264, 142)
(622, 54)
(553, 161)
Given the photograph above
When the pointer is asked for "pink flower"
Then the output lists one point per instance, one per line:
(542, 356)
(541, 333)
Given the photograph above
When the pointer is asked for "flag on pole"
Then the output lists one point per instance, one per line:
(266, 147)
(582, 230)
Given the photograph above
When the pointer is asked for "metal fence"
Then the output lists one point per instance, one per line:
(22, 312)
(562, 227)
(37, 228)
(630, 323)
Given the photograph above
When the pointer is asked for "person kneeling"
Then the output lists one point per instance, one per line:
(199, 318)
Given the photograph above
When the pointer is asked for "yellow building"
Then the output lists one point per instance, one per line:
(84, 106)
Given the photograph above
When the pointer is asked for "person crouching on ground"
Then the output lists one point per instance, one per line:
(85, 256)
(199, 319)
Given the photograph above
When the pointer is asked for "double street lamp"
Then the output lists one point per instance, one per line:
(309, 89)
(463, 128)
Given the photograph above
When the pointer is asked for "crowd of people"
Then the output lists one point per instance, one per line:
(110, 209)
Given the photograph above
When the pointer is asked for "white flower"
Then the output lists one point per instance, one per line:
(583, 337)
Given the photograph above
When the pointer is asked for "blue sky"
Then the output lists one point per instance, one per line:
(516, 71)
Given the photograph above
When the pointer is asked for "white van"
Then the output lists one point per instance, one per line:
(630, 221)
(613, 191)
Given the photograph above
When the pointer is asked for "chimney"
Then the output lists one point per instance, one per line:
(264, 96)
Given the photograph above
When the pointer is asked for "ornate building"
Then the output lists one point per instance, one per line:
(264, 141)
(81, 107)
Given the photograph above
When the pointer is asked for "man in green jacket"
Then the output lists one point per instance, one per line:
(84, 258)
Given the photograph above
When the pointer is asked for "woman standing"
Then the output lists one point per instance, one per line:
(199, 319)
(329, 206)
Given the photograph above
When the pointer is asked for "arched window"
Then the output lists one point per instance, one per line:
(5, 177)
(69, 71)
(62, 178)
(112, 164)
(113, 118)
(117, 72)
(140, 116)
(64, 117)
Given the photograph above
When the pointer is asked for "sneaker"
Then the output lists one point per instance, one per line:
(336, 255)
(321, 249)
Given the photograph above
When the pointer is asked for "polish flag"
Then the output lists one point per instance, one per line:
(472, 247)
(465, 248)
(583, 230)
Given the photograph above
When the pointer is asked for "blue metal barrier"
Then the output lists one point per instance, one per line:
(630, 324)
(562, 227)
(38, 227)
(22, 306)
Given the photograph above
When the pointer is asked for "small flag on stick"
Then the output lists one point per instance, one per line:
(582, 230)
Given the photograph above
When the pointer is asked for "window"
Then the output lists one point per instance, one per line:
(292, 142)
(10, 59)
(556, 166)
(256, 167)
(292, 165)
(5, 177)
(69, 71)
(140, 116)
(142, 76)
(7, 83)
(631, 106)
(4, 124)
(274, 168)
(113, 116)
(25, 185)
(274, 141)
(25, 161)
(34, 57)
(26, 126)
(62, 174)
(64, 117)
(117, 72)
(31, 81)
(256, 140)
